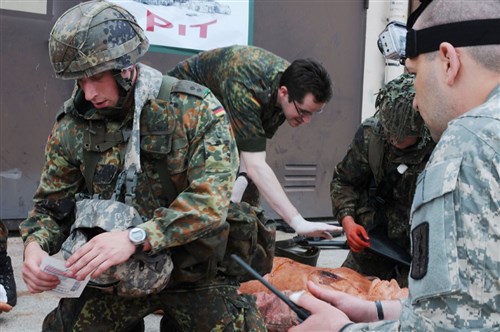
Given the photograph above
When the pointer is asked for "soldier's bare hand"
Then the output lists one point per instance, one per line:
(324, 316)
(99, 254)
(35, 279)
(357, 309)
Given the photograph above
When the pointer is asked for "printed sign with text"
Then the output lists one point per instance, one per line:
(192, 24)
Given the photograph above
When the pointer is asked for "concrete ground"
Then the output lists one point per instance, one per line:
(28, 314)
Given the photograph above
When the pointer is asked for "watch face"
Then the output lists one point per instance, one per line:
(137, 235)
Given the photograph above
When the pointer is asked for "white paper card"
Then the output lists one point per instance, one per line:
(68, 287)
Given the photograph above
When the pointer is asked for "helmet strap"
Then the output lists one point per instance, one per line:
(125, 77)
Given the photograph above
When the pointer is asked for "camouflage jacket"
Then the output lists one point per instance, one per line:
(352, 187)
(246, 80)
(192, 136)
(455, 239)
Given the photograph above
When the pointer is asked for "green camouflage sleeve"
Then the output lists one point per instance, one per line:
(455, 272)
(49, 221)
(352, 176)
(242, 78)
(212, 162)
(245, 115)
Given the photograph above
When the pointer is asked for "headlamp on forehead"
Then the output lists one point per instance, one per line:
(391, 42)
(396, 43)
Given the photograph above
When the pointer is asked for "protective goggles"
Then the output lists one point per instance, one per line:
(398, 42)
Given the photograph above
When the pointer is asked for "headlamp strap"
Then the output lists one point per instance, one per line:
(416, 13)
(459, 34)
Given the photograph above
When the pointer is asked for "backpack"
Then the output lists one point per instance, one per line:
(252, 237)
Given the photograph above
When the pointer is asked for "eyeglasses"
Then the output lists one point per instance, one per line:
(303, 113)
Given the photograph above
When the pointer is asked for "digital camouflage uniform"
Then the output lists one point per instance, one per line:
(378, 195)
(191, 137)
(246, 81)
(457, 204)
(454, 280)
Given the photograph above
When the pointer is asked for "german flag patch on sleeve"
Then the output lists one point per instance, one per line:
(219, 111)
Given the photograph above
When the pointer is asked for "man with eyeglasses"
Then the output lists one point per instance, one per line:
(260, 91)
(453, 47)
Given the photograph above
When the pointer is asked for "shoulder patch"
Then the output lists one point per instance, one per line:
(191, 88)
(420, 251)
(219, 111)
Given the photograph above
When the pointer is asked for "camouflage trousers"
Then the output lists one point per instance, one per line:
(208, 308)
(373, 265)
(4, 234)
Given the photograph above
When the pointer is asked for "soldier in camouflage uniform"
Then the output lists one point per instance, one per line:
(454, 279)
(260, 91)
(7, 280)
(98, 43)
(373, 185)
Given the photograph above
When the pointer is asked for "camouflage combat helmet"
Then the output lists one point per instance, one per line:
(93, 37)
(395, 110)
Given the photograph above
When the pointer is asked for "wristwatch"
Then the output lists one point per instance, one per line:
(137, 236)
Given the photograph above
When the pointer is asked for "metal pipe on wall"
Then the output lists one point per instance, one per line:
(398, 11)
(376, 70)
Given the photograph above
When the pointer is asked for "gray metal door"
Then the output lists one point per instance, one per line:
(332, 32)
